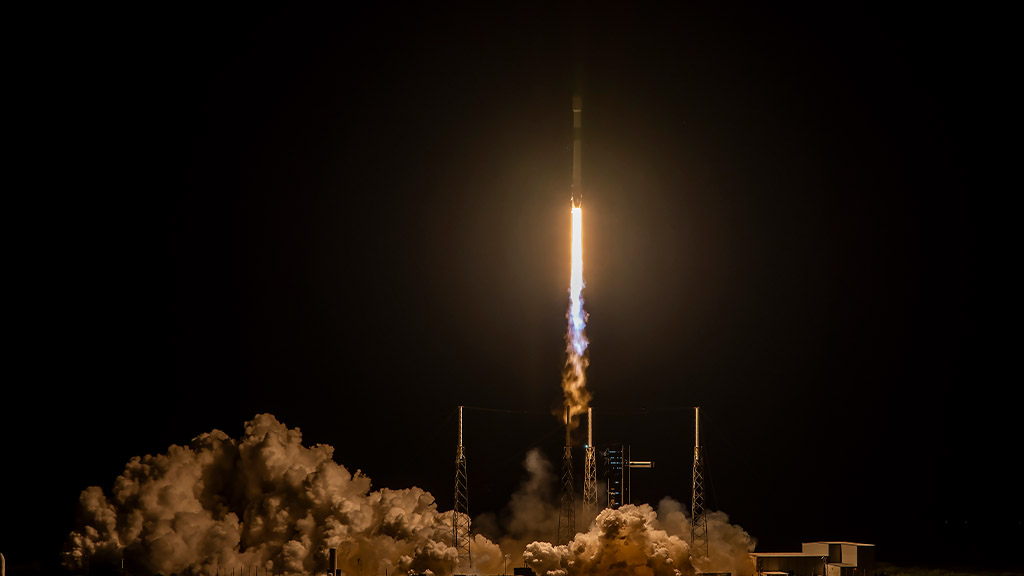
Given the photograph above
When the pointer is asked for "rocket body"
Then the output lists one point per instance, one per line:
(577, 151)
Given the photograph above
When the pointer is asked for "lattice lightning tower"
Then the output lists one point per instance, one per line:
(460, 515)
(699, 522)
(590, 468)
(567, 512)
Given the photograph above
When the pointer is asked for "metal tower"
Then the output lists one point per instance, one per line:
(567, 512)
(590, 468)
(699, 522)
(460, 514)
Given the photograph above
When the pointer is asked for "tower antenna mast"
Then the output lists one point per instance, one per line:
(567, 512)
(460, 514)
(590, 468)
(699, 522)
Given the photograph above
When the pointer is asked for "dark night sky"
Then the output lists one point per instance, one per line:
(359, 220)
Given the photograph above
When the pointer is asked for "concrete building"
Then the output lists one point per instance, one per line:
(844, 558)
(791, 563)
(818, 559)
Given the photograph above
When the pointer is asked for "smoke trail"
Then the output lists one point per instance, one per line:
(574, 376)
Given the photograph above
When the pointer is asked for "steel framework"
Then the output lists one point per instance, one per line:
(460, 514)
(590, 468)
(567, 511)
(699, 522)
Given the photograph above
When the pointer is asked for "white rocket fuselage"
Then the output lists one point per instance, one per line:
(577, 151)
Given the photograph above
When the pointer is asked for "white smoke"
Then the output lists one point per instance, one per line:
(729, 545)
(530, 520)
(634, 540)
(623, 541)
(266, 501)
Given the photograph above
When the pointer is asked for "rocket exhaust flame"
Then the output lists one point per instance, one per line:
(577, 320)
(574, 378)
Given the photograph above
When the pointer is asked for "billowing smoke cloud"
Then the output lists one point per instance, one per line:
(623, 541)
(634, 540)
(265, 501)
(728, 545)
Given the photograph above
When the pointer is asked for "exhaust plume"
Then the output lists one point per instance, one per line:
(574, 376)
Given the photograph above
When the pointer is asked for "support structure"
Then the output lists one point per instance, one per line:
(619, 472)
(460, 513)
(590, 469)
(567, 512)
(616, 459)
(699, 522)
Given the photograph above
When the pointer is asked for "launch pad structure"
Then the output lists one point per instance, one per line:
(620, 474)
(619, 464)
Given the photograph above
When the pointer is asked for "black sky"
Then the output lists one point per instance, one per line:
(358, 220)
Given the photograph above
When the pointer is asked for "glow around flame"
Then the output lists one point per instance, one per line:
(574, 377)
